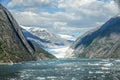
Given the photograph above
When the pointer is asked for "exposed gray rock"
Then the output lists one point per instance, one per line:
(13, 45)
(103, 42)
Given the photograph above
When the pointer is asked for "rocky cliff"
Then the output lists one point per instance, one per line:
(13, 45)
(103, 42)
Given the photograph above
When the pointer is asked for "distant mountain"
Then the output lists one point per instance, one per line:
(45, 38)
(56, 44)
(103, 42)
(13, 45)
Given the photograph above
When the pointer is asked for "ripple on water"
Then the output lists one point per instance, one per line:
(74, 69)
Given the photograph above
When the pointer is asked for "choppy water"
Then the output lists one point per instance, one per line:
(63, 69)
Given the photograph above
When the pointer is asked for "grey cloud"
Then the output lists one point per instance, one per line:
(118, 2)
(74, 17)
(33, 3)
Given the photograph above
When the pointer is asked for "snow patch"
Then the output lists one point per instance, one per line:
(59, 52)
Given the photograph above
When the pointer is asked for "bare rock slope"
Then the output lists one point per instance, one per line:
(103, 42)
(13, 45)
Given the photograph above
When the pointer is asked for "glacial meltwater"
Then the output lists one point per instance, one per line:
(62, 69)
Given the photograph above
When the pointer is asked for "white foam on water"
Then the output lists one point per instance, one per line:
(99, 72)
(105, 60)
(94, 64)
(108, 64)
(105, 68)
(74, 78)
(90, 72)
(51, 78)
(117, 60)
(40, 78)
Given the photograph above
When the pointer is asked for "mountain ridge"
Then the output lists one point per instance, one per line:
(98, 43)
(46, 38)
(13, 45)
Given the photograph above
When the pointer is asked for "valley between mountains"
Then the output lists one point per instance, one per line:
(25, 43)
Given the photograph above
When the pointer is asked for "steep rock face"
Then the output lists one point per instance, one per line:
(103, 42)
(13, 45)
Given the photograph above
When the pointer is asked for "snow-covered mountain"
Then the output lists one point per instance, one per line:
(45, 38)
(54, 43)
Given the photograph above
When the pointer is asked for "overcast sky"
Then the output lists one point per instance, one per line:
(64, 16)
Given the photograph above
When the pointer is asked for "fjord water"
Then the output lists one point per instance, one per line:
(62, 69)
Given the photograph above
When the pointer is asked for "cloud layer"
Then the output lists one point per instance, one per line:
(33, 3)
(64, 16)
